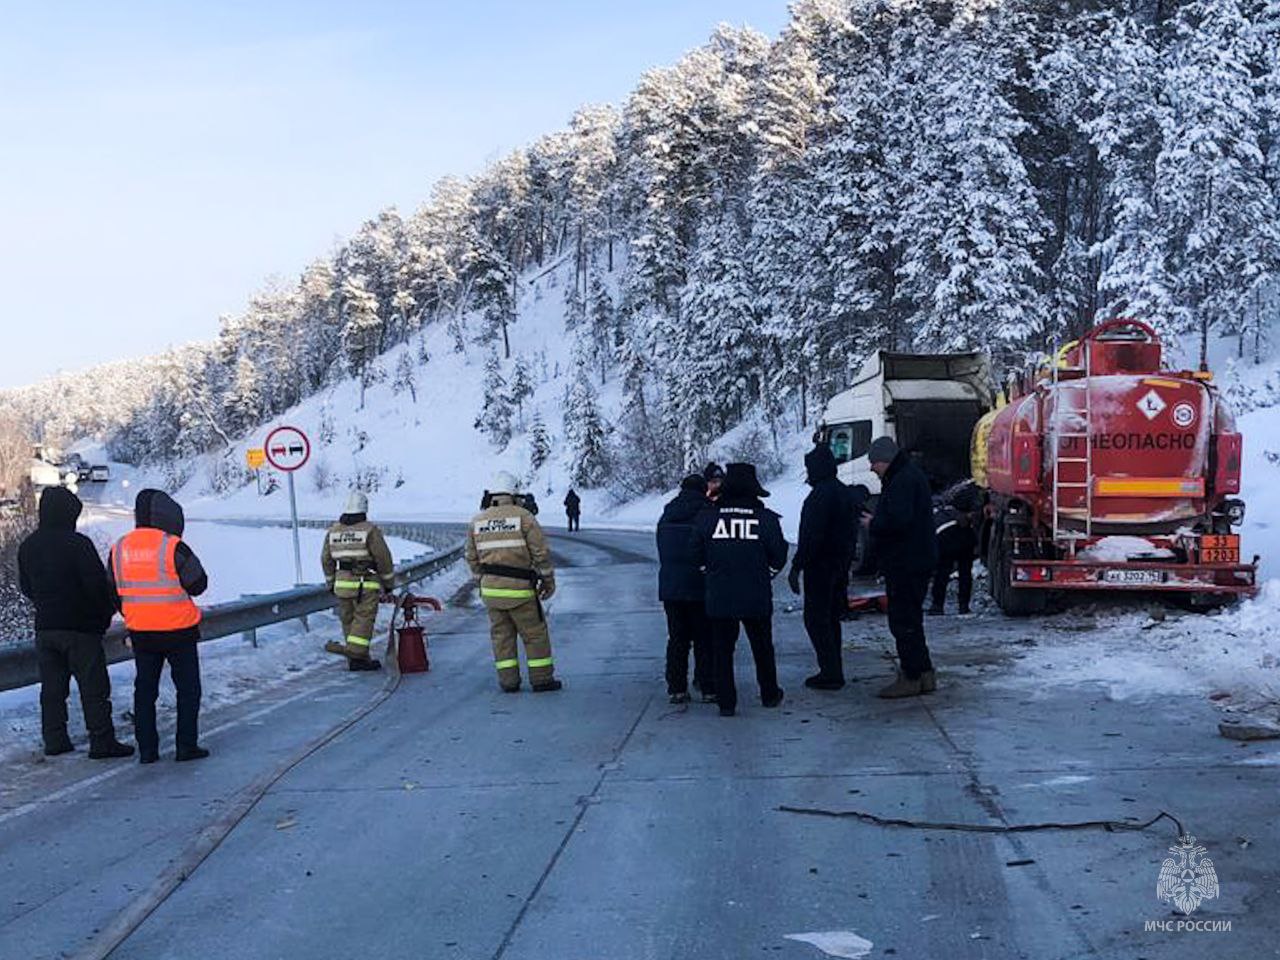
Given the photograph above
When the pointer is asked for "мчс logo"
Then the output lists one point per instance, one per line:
(1188, 877)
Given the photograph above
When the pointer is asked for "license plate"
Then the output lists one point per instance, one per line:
(1132, 577)
(1220, 548)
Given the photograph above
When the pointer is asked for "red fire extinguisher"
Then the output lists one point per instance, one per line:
(409, 637)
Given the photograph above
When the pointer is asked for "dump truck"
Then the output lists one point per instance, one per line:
(929, 403)
(1105, 471)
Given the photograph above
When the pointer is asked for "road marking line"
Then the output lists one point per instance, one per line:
(79, 785)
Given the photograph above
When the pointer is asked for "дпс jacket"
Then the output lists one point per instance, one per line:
(739, 542)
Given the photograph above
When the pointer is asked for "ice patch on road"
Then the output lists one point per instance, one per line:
(836, 943)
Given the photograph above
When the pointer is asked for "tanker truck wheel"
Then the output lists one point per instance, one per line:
(1011, 601)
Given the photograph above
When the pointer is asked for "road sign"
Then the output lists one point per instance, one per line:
(287, 448)
(255, 457)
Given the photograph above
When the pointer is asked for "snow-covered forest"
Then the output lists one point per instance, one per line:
(755, 219)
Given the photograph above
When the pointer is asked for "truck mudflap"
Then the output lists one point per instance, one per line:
(1237, 579)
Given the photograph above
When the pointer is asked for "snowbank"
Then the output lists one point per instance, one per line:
(242, 560)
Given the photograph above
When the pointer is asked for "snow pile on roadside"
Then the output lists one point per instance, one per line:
(245, 560)
(231, 671)
(1236, 653)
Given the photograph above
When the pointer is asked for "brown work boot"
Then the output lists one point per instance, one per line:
(928, 682)
(333, 646)
(904, 686)
(547, 686)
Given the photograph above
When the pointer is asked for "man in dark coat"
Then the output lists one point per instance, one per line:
(573, 509)
(955, 521)
(682, 589)
(907, 550)
(822, 557)
(60, 571)
(739, 544)
(156, 510)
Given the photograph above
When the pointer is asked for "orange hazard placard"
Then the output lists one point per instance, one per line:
(1220, 548)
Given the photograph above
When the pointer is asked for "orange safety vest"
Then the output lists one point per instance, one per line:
(151, 594)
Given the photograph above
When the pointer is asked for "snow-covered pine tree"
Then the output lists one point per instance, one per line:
(362, 330)
(406, 376)
(521, 387)
(494, 418)
(1219, 210)
(539, 442)
(585, 431)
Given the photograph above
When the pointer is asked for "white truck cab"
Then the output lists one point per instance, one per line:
(928, 403)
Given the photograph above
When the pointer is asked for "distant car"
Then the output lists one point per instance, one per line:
(99, 473)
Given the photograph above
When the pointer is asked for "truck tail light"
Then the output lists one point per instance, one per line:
(1033, 574)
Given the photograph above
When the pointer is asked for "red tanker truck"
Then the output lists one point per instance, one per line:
(1111, 473)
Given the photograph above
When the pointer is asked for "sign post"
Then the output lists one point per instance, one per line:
(288, 449)
(255, 457)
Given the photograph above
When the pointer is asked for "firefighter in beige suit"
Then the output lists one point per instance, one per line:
(358, 570)
(508, 552)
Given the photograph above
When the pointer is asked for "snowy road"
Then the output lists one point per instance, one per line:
(602, 822)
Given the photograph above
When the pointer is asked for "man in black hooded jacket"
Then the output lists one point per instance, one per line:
(739, 543)
(822, 557)
(156, 510)
(59, 570)
(682, 590)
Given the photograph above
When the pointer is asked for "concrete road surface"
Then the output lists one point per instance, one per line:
(602, 822)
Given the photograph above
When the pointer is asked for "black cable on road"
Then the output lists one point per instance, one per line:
(863, 817)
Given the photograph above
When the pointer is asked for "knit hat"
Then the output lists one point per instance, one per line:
(712, 471)
(883, 450)
(357, 502)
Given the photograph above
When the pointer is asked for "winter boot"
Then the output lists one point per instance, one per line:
(548, 687)
(111, 750)
(190, 753)
(58, 746)
(774, 700)
(820, 682)
(904, 686)
(334, 647)
(362, 664)
(515, 689)
(928, 682)
(682, 697)
(149, 758)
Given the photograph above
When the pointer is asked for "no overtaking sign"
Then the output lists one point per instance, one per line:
(287, 449)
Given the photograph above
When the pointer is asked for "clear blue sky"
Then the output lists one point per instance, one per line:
(159, 160)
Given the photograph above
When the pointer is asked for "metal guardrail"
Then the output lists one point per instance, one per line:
(19, 668)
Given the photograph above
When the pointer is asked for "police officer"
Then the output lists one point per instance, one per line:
(506, 549)
(358, 570)
(740, 545)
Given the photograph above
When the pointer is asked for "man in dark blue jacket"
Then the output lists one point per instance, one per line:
(739, 544)
(60, 571)
(683, 592)
(903, 537)
(822, 557)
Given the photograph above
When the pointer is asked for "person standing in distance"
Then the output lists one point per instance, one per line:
(903, 538)
(507, 550)
(359, 571)
(60, 572)
(573, 509)
(683, 592)
(153, 576)
(739, 544)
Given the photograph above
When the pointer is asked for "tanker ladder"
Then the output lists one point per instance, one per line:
(1060, 420)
